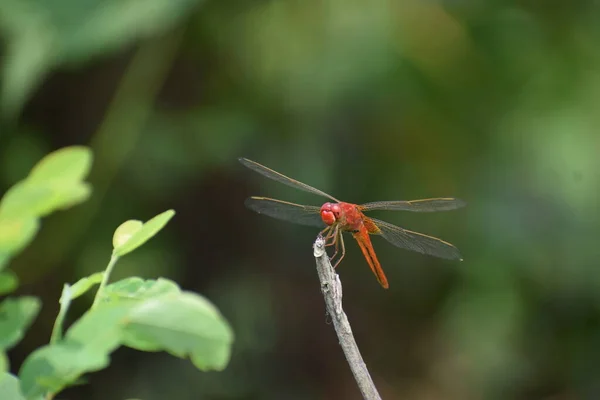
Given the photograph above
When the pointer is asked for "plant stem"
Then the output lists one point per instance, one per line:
(111, 264)
(65, 302)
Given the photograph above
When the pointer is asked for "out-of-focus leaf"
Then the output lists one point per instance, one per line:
(185, 325)
(4, 366)
(16, 233)
(16, 314)
(100, 327)
(45, 34)
(86, 348)
(40, 199)
(53, 183)
(30, 54)
(10, 388)
(85, 284)
(23, 199)
(141, 236)
(71, 164)
(137, 289)
(8, 282)
(54, 367)
(64, 195)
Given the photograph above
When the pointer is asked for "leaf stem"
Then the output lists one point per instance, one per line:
(65, 302)
(111, 264)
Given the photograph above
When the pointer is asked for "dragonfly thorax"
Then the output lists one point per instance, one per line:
(330, 213)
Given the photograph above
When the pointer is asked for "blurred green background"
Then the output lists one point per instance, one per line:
(494, 102)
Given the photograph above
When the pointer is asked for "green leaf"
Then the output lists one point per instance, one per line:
(85, 284)
(8, 282)
(60, 195)
(142, 235)
(54, 183)
(24, 199)
(65, 195)
(125, 231)
(16, 233)
(10, 388)
(185, 325)
(16, 314)
(4, 365)
(71, 164)
(41, 35)
(86, 348)
(100, 328)
(54, 367)
(136, 289)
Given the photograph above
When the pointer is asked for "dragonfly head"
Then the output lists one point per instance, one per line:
(330, 213)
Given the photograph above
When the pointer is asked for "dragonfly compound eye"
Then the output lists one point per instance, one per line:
(327, 214)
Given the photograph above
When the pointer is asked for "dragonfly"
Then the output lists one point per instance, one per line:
(336, 217)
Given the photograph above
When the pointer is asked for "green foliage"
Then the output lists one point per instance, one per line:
(55, 183)
(10, 388)
(149, 315)
(46, 34)
(17, 315)
(83, 285)
(8, 282)
(131, 234)
(183, 324)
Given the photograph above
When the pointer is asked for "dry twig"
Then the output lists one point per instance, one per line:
(332, 292)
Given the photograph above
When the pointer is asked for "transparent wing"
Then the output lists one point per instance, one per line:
(296, 213)
(417, 241)
(276, 176)
(424, 205)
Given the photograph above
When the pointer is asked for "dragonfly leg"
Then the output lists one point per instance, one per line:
(326, 235)
(330, 237)
(335, 242)
(341, 239)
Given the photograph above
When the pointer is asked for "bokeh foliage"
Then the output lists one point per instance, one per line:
(493, 102)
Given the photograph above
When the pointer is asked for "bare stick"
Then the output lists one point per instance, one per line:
(332, 292)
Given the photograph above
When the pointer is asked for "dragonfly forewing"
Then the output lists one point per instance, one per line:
(283, 210)
(276, 176)
(423, 205)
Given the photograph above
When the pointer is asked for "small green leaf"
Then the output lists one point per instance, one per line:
(70, 164)
(85, 284)
(8, 282)
(125, 231)
(148, 230)
(185, 325)
(10, 388)
(16, 314)
(16, 233)
(136, 289)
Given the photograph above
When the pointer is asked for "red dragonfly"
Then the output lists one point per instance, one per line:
(339, 216)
